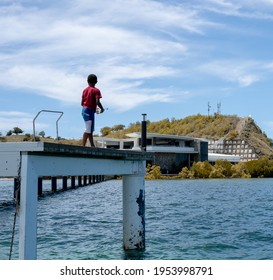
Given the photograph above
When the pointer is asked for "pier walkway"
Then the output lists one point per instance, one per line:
(29, 161)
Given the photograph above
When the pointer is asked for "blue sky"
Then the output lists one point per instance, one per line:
(164, 58)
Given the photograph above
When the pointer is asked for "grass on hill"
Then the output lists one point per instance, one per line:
(224, 127)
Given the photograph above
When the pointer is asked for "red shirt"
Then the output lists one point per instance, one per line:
(89, 96)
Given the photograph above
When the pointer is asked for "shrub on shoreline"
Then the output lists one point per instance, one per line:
(261, 168)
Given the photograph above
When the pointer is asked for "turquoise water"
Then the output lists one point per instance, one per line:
(185, 219)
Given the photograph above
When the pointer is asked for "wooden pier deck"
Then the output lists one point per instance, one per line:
(29, 161)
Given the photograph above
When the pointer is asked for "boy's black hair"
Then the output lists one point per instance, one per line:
(92, 79)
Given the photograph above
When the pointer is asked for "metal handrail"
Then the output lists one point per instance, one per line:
(48, 111)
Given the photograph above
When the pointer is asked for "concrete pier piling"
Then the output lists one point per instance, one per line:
(65, 183)
(133, 212)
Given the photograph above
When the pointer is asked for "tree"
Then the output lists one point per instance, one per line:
(201, 169)
(153, 172)
(17, 130)
(239, 170)
(9, 133)
(27, 137)
(42, 133)
(225, 166)
(118, 127)
(185, 173)
(105, 130)
(217, 172)
(262, 167)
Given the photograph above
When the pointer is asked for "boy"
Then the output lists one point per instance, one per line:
(90, 101)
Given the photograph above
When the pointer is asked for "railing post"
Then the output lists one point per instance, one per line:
(48, 111)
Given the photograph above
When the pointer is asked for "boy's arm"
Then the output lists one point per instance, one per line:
(99, 104)
(82, 100)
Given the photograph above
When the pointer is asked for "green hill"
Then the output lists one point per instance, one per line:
(217, 127)
(209, 127)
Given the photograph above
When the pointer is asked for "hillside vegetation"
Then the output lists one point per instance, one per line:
(29, 138)
(210, 127)
(224, 127)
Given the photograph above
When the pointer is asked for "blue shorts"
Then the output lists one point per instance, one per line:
(89, 119)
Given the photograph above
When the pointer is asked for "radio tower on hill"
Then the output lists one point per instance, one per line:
(208, 108)
(219, 108)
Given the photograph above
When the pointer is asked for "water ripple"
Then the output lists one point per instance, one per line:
(185, 219)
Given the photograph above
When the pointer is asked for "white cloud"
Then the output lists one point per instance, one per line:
(67, 87)
(259, 4)
(11, 119)
(50, 51)
(269, 66)
(256, 9)
(50, 82)
(49, 48)
(243, 73)
(247, 80)
(132, 100)
(141, 13)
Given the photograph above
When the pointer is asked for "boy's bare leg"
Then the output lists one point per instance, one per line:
(90, 137)
(84, 138)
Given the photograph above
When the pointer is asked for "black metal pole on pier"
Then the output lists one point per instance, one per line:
(144, 133)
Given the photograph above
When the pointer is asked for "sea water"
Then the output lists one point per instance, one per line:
(185, 219)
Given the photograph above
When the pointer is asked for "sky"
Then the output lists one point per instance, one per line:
(165, 58)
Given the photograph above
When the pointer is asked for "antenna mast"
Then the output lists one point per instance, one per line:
(219, 108)
(209, 108)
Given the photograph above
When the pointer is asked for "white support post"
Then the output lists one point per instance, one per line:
(134, 212)
(28, 210)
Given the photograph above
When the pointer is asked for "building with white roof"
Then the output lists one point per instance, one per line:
(170, 152)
